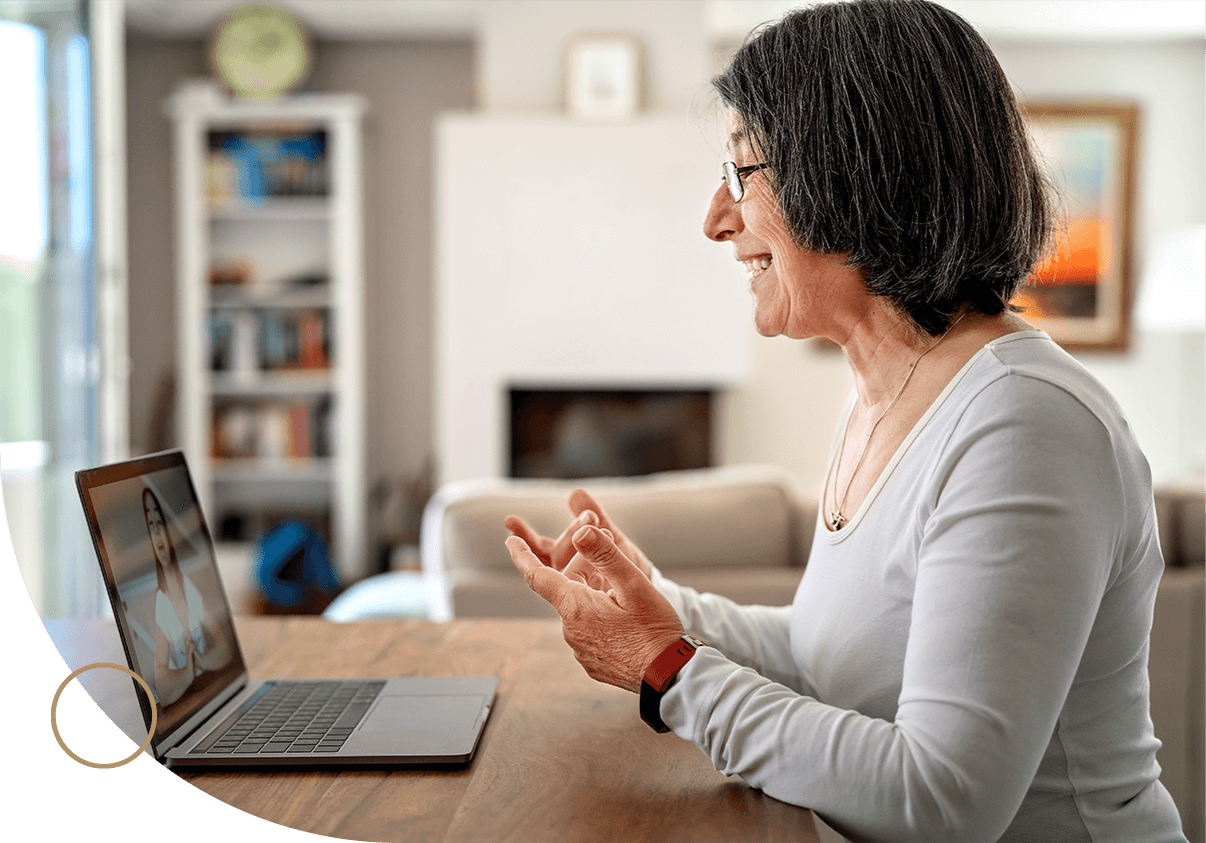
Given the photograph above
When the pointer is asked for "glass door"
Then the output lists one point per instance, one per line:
(49, 363)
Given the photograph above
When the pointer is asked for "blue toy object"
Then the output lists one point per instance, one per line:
(292, 563)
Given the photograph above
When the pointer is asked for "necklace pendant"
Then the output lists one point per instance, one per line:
(836, 519)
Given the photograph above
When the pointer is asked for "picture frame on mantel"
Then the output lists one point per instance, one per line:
(1082, 295)
(604, 76)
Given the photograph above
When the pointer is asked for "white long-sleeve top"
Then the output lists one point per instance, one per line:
(966, 659)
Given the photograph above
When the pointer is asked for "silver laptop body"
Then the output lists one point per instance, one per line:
(172, 613)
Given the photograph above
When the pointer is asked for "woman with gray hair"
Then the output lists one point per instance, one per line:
(966, 655)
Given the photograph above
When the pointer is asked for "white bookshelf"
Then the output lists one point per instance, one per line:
(302, 268)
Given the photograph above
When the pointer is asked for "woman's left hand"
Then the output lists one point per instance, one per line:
(616, 633)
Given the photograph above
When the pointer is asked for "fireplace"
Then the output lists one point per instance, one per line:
(571, 433)
(541, 299)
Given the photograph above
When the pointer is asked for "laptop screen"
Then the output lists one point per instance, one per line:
(159, 567)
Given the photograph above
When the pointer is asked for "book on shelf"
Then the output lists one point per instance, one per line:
(252, 341)
(312, 350)
(249, 167)
(295, 339)
(233, 342)
(221, 342)
(324, 428)
(272, 430)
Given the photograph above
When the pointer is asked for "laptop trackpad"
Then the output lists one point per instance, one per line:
(425, 724)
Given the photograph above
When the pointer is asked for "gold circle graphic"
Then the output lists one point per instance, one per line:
(54, 725)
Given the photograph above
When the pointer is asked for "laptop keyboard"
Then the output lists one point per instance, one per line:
(288, 717)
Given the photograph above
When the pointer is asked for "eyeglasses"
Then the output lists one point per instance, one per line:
(731, 174)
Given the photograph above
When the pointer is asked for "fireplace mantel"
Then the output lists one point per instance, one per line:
(571, 252)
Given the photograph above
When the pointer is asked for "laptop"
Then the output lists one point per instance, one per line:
(174, 618)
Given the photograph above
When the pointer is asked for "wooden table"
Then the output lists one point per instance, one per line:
(563, 758)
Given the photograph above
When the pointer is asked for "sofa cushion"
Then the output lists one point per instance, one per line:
(709, 519)
(1191, 530)
(730, 521)
(1181, 515)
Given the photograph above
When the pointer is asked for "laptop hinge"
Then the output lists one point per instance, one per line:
(185, 730)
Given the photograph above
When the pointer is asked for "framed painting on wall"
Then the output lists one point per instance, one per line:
(1081, 295)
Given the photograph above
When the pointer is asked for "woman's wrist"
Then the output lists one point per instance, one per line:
(657, 647)
(660, 675)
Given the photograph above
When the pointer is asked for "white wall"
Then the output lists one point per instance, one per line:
(571, 253)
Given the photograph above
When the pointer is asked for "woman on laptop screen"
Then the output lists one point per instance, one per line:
(188, 641)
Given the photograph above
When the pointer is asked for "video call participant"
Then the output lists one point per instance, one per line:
(188, 641)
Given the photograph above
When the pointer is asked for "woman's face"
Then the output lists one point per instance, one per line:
(158, 530)
(790, 285)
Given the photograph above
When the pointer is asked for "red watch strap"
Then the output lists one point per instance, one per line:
(664, 668)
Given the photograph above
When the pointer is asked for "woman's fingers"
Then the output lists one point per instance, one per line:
(581, 501)
(598, 546)
(581, 569)
(542, 579)
(563, 548)
(555, 553)
(538, 544)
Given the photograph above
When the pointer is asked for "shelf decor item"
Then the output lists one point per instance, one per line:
(1082, 294)
(603, 76)
(260, 51)
(253, 166)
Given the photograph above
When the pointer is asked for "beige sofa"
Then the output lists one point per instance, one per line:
(739, 531)
(744, 531)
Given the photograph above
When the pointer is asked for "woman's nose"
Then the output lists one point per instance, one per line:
(723, 219)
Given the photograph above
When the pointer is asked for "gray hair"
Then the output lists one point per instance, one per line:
(893, 137)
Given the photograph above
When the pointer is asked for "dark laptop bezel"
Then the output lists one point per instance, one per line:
(210, 699)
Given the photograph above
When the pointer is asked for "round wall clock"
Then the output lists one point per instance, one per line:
(260, 51)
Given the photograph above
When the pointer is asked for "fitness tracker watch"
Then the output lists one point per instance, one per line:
(660, 675)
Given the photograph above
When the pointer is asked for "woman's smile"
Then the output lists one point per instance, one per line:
(756, 265)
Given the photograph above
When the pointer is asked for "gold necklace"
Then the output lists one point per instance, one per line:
(836, 518)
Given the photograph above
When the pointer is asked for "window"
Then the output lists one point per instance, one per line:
(48, 357)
